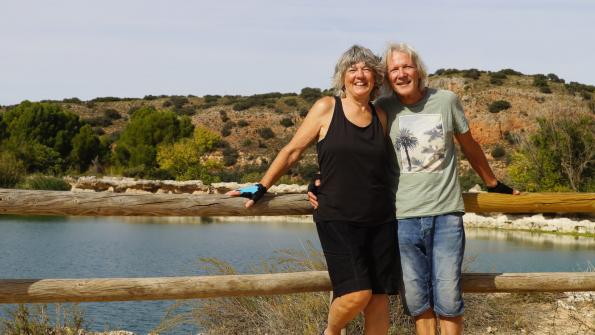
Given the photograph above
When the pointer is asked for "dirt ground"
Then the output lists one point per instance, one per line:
(539, 314)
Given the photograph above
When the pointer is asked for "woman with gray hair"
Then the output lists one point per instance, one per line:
(355, 216)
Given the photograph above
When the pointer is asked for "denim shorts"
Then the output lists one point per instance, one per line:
(431, 250)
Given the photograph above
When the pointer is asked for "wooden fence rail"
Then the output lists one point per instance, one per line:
(168, 288)
(25, 202)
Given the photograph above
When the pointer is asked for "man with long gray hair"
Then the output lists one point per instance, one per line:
(423, 123)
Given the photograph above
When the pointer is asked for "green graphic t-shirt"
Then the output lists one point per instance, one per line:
(422, 135)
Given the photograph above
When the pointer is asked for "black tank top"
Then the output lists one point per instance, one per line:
(354, 165)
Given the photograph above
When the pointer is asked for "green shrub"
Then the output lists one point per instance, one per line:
(247, 142)
(112, 114)
(555, 78)
(211, 98)
(40, 182)
(498, 75)
(545, 89)
(35, 320)
(225, 131)
(496, 81)
(242, 123)
(471, 73)
(447, 71)
(498, 151)
(286, 122)
(72, 101)
(469, 179)
(292, 102)
(266, 133)
(498, 105)
(230, 156)
(510, 72)
(310, 94)
(177, 101)
(12, 170)
(586, 95)
(99, 121)
(223, 115)
(303, 112)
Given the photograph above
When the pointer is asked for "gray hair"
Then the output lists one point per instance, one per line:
(354, 55)
(407, 49)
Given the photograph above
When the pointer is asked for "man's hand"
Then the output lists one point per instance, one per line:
(252, 192)
(313, 190)
(503, 188)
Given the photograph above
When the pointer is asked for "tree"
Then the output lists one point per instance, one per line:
(40, 135)
(85, 147)
(407, 141)
(560, 156)
(498, 105)
(186, 159)
(147, 129)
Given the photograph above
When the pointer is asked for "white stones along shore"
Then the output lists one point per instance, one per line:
(559, 223)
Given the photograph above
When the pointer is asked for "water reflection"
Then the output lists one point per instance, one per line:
(533, 239)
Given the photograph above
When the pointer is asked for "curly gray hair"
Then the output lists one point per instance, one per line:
(357, 54)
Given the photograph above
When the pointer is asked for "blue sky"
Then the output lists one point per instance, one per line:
(57, 49)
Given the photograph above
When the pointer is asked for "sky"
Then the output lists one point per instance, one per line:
(56, 49)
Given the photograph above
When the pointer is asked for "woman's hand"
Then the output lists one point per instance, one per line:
(252, 192)
(313, 190)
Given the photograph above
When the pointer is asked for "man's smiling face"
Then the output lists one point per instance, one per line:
(404, 77)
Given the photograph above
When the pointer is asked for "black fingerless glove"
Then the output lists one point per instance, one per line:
(312, 185)
(253, 192)
(500, 188)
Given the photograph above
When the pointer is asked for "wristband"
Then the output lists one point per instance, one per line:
(253, 192)
(500, 188)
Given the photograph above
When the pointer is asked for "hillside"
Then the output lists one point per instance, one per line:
(243, 122)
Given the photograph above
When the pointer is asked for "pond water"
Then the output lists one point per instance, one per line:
(42, 247)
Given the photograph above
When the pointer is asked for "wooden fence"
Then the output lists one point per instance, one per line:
(22, 202)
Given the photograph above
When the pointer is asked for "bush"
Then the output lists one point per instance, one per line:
(99, 121)
(266, 133)
(242, 123)
(555, 78)
(72, 101)
(510, 72)
(498, 151)
(211, 98)
(471, 73)
(446, 72)
(230, 156)
(292, 102)
(469, 179)
(545, 89)
(112, 114)
(558, 157)
(286, 122)
(303, 112)
(177, 101)
(12, 170)
(35, 320)
(498, 105)
(496, 81)
(225, 131)
(247, 142)
(40, 182)
(310, 94)
(223, 115)
(498, 75)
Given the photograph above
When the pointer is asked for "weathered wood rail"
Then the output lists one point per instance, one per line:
(169, 288)
(25, 202)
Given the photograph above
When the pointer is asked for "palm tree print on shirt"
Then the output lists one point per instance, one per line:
(421, 144)
(407, 141)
